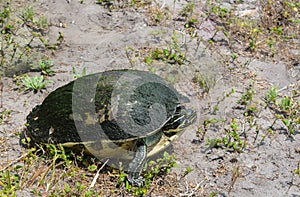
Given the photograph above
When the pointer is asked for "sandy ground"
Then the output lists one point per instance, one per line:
(97, 39)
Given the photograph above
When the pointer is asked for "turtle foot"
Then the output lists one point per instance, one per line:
(135, 180)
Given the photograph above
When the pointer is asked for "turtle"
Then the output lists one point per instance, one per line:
(122, 115)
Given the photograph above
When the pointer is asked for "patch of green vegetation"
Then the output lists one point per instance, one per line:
(213, 194)
(187, 10)
(34, 83)
(188, 170)
(42, 169)
(173, 54)
(236, 134)
(112, 5)
(153, 169)
(297, 170)
(76, 74)
(271, 96)
(271, 32)
(232, 138)
(286, 110)
(3, 115)
(23, 36)
(166, 55)
(247, 97)
(46, 67)
(205, 82)
(133, 55)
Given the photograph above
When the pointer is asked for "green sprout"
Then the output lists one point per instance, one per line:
(35, 83)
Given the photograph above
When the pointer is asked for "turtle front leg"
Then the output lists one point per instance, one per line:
(137, 164)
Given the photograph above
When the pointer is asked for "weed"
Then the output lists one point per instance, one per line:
(157, 15)
(46, 66)
(166, 55)
(111, 5)
(271, 96)
(172, 54)
(28, 14)
(132, 55)
(203, 129)
(77, 75)
(271, 32)
(188, 170)
(92, 168)
(297, 170)
(285, 104)
(285, 109)
(213, 194)
(9, 183)
(235, 174)
(160, 167)
(205, 82)
(21, 36)
(42, 23)
(246, 97)
(231, 140)
(34, 83)
(3, 115)
(221, 12)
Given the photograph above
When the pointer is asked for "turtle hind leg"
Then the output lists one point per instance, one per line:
(137, 164)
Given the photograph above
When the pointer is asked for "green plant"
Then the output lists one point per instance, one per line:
(221, 12)
(34, 83)
(27, 14)
(132, 55)
(3, 115)
(173, 54)
(188, 170)
(21, 37)
(78, 75)
(270, 35)
(160, 167)
(187, 10)
(271, 95)
(246, 97)
(285, 109)
(205, 82)
(46, 66)
(213, 194)
(42, 23)
(153, 169)
(297, 170)
(9, 183)
(285, 104)
(167, 55)
(231, 140)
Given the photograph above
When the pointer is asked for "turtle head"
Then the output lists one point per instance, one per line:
(181, 119)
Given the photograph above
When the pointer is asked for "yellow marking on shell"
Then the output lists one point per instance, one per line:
(71, 117)
(110, 114)
(51, 130)
(102, 119)
(89, 120)
(101, 115)
(104, 149)
(161, 145)
(105, 116)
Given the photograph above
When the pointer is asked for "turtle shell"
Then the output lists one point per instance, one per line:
(116, 105)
